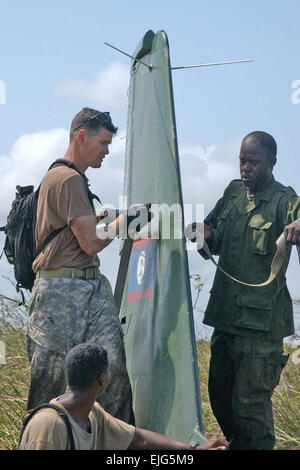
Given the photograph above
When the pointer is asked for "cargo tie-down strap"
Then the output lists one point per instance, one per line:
(276, 264)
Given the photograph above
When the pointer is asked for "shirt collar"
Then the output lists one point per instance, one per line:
(246, 204)
(267, 193)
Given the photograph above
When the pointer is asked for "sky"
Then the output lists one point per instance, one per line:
(54, 62)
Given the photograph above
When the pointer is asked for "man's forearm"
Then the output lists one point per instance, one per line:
(93, 239)
(106, 234)
(144, 439)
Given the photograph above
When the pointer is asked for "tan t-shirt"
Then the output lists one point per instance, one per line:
(63, 197)
(47, 431)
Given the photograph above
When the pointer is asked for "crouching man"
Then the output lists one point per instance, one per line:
(87, 375)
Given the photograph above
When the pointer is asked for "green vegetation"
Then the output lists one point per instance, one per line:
(286, 399)
(14, 374)
(14, 380)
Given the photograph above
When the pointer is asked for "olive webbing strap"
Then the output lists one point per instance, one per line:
(91, 196)
(61, 413)
(50, 237)
(122, 272)
(63, 161)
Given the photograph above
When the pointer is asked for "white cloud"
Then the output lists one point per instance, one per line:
(32, 154)
(107, 90)
(30, 157)
(27, 163)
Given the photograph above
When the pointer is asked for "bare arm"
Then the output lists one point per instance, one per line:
(84, 229)
(144, 439)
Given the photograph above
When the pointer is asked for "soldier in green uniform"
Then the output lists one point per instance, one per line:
(250, 322)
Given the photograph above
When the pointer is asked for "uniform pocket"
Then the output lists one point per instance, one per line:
(274, 368)
(254, 313)
(260, 234)
(47, 317)
(264, 373)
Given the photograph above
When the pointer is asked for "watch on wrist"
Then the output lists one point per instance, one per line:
(194, 445)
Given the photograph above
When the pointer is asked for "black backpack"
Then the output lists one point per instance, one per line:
(61, 413)
(20, 246)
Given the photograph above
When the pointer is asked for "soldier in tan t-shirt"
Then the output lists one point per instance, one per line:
(62, 198)
(72, 302)
(47, 431)
(92, 427)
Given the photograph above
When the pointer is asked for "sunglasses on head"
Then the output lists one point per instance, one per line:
(101, 117)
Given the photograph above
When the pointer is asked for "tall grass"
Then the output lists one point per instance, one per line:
(286, 399)
(14, 374)
(286, 402)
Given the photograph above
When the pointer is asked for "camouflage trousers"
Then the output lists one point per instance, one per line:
(244, 372)
(65, 312)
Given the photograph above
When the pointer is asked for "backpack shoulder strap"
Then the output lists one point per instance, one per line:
(91, 196)
(61, 413)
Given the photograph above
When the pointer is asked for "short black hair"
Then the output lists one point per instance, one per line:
(265, 140)
(83, 364)
(92, 126)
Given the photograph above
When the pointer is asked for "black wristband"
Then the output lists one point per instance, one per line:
(194, 445)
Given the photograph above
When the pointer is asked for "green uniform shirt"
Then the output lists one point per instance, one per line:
(245, 230)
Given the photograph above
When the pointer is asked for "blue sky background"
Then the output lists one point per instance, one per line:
(54, 62)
